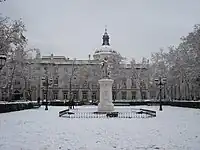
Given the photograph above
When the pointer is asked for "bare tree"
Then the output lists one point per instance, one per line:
(70, 79)
(88, 76)
(139, 75)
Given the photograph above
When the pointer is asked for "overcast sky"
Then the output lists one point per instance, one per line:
(74, 28)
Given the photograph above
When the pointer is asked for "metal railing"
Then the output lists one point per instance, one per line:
(135, 113)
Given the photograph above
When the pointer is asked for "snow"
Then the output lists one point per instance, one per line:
(175, 128)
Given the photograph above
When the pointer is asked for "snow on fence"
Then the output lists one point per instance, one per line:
(134, 113)
(63, 112)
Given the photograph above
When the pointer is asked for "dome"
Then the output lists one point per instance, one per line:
(105, 50)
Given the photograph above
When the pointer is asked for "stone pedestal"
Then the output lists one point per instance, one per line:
(105, 104)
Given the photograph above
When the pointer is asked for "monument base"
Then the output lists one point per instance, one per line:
(105, 104)
(105, 108)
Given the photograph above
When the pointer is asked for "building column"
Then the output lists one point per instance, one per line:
(138, 94)
(175, 92)
(98, 95)
(89, 95)
(129, 95)
(33, 95)
(60, 97)
(118, 95)
(148, 93)
(80, 95)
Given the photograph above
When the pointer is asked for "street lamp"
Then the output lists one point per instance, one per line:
(160, 81)
(71, 100)
(47, 82)
(2, 60)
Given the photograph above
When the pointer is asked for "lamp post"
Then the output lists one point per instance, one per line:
(2, 61)
(70, 92)
(71, 100)
(72, 76)
(47, 82)
(160, 81)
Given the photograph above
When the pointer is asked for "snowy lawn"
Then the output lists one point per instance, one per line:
(173, 129)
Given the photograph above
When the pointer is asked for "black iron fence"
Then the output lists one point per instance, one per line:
(139, 113)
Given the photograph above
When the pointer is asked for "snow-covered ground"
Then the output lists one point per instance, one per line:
(173, 129)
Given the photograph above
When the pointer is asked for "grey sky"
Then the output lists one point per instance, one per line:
(74, 28)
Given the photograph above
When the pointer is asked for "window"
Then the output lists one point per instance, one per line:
(144, 96)
(4, 82)
(85, 95)
(75, 95)
(55, 82)
(133, 84)
(65, 70)
(114, 86)
(3, 97)
(37, 68)
(4, 73)
(45, 68)
(18, 73)
(114, 95)
(94, 86)
(55, 95)
(124, 83)
(65, 95)
(85, 84)
(75, 86)
(153, 94)
(123, 95)
(34, 77)
(17, 82)
(44, 83)
(94, 95)
(44, 96)
(143, 85)
(133, 94)
(55, 69)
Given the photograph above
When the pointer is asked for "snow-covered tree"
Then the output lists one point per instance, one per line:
(17, 69)
(139, 76)
(2, 1)
(11, 35)
(13, 44)
(181, 66)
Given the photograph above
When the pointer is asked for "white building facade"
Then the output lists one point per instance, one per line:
(80, 77)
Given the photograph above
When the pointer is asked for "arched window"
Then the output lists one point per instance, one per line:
(114, 86)
(143, 85)
(133, 83)
(124, 83)
(55, 82)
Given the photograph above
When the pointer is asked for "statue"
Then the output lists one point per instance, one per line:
(105, 102)
(105, 68)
